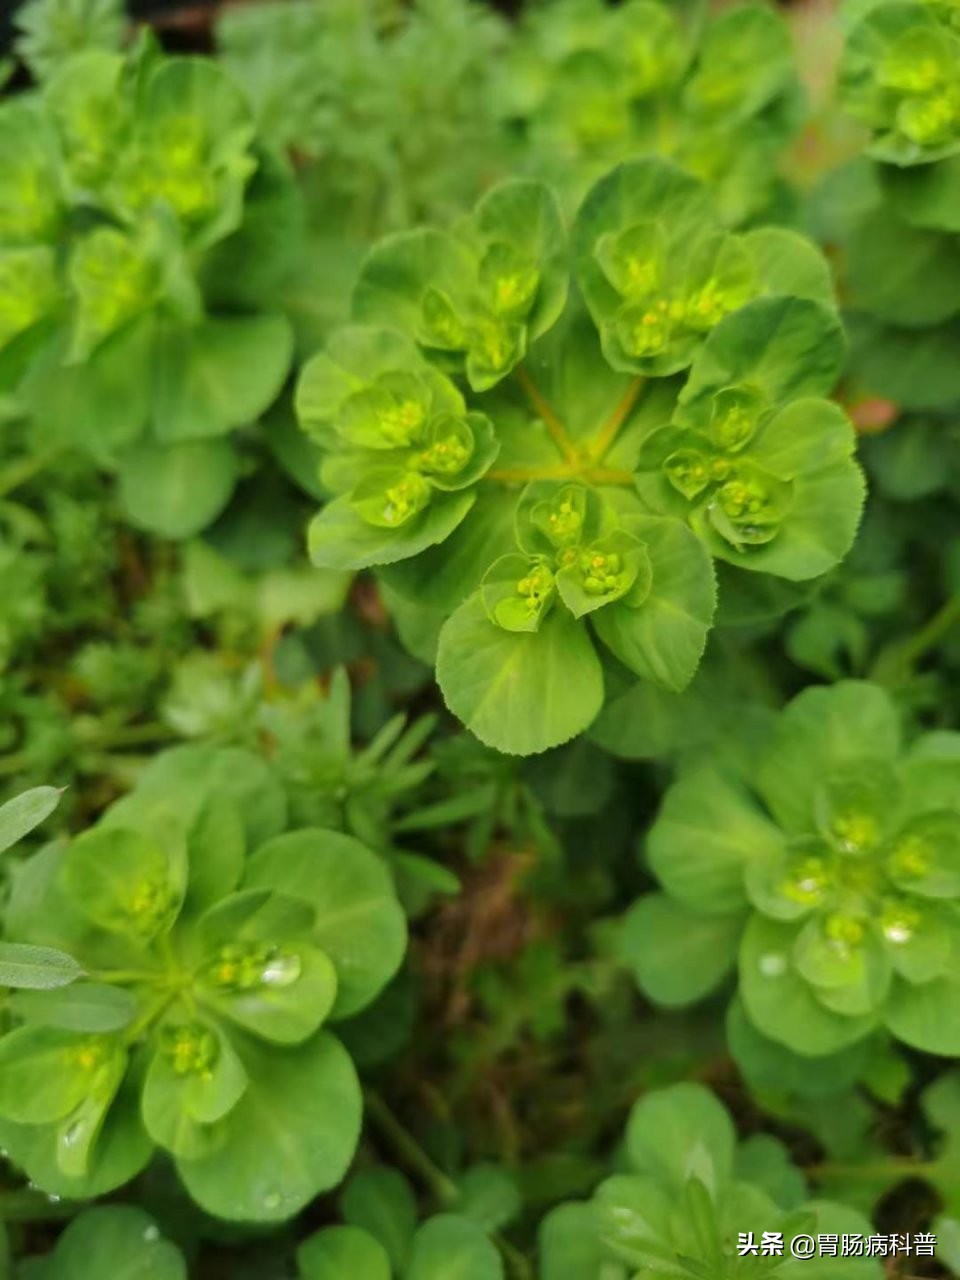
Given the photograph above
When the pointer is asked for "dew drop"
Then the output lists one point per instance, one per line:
(54, 1199)
(281, 970)
(898, 932)
(73, 1134)
(773, 964)
(151, 1235)
(272, 1200)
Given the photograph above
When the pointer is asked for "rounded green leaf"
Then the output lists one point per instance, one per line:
(120, 1150)
(119, 1241)
(358, 921)
(927, 1015)
(177, 490)
(784, 347)
(122, 881)
(821, 731)
(336, 1252)
(676, 956)
(191, 773)
(667, 1127)
(291, 1136)
(194, 1079)
(520, 692)
(449, 1247)
(663, 635)
(340, 538)
(707, 832)
(571, 1247)
(380, 1201)
(781, 1004)
(218, 375)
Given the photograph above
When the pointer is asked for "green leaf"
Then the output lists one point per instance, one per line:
(675, 956)
(44, 1074)
(505, 686)
(525, 216)
(339, 537)
(291, 1136)
(336, 1252)
(895, 77)
(119, 1241)
(121, 881)
(784, 347)
(790, 265)
(84, 1006)
(118, 1151)
(571, 1247)
(449, 1247)
(916, 369)
(822, 730)
(36, 968)
(358, 921)
(194, 1079)
(443, 576)
(667, 1127)
(489, 1196)
(218, 375)
(906, 275)
(177, 490)
(707, 832)
(663, 635)
(651, 193)
(287, 1001)
(381, 1201)
(771, 1068)
(926, 195)
(814, 532)
(926, 1016)
(192, 773)
(781, 1004)
(19, 816)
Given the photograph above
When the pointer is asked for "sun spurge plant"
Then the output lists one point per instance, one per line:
(590, 85)
(900, 75)
(210, 947)
(829, 879)
(526, 460)
(129, 187)
(689, 1198)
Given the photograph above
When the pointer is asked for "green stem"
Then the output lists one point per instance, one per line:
(120, 977)
(896, 663)
(443, 1188)
(516, 1262)
(933, 631)
(550, 420)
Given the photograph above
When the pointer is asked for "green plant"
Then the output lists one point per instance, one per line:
(501, 451)
(691, 1201)
(345, 342)
(209, 946)
(591, 85)
(826, 876)
(131, 184)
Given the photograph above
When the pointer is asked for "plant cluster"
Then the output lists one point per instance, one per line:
(479, 678)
